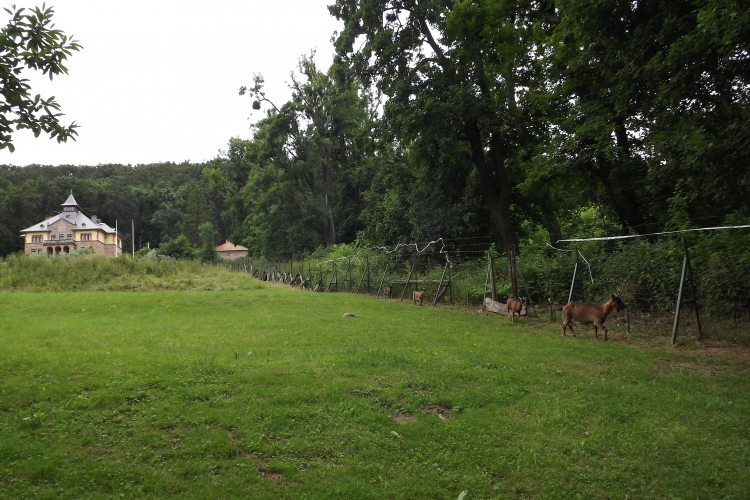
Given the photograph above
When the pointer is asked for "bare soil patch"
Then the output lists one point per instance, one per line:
(442, 410)
(365, 394)
(404, 418)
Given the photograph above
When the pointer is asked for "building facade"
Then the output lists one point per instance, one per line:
(229, 251)
(71, 230)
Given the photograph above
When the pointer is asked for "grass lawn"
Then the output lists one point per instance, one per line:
(271, 393)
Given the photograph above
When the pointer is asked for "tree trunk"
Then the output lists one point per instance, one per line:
(329, 230)
(330, 235)
(493, 183)
(552, 225)
(620, 194)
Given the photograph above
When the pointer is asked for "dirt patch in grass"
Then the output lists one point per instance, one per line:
(697, 366)
(707, 347)
(720, 348)
(237, 449)
(404, 418)
(365, 394)
(707, 351)
(269, 473)
(442, 410)
(276, 477)
(262, 466)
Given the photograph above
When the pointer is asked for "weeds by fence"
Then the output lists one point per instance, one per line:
(451, 269)
(21, 273)
(645, 273)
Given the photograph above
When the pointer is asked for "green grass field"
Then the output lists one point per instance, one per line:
(271, 393)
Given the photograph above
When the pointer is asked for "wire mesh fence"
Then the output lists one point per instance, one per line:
(450, 271)
(647, 274)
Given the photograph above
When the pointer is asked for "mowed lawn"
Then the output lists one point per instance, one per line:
(271, 393)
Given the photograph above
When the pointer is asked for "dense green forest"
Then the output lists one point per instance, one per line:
(522, 121)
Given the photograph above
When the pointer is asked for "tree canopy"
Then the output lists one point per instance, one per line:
(524, 121)
(29, 41)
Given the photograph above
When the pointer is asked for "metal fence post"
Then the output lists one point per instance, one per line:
(679, 301)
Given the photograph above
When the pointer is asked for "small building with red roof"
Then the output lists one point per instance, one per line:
(231, 251)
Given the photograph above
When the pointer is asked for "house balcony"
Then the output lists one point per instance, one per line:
(64, 241)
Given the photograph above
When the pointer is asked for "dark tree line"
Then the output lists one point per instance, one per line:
(163, 201)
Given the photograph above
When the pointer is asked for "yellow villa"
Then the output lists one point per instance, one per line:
(71, 230)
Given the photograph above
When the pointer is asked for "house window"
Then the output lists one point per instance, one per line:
(62, 236)
(53, 237)
(85, 236)
(69, 209)
(36, 238)
(70, 236)
(33, 250)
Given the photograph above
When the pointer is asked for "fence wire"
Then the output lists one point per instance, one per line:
(645, 273)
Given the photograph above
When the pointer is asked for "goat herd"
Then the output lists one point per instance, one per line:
(587, 314)
(417, 295)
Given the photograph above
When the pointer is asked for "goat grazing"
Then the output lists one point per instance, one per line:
(387, 292)
(418, 296)
(590, 314)
(514, 307)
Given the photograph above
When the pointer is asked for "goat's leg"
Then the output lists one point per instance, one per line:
(569, 324)
(596, 329)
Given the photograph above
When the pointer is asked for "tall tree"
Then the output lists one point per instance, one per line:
(207, 252)
(300, 182)
(451, 70)
(310, 138)
(598, 51)
(29, 41)
(700, 113)
(650, 93)
(196, 212)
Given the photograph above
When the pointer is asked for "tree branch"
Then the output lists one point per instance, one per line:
(546, 16)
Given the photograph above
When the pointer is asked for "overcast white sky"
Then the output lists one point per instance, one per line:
(158, 80)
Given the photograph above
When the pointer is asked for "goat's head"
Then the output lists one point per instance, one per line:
(617, 302)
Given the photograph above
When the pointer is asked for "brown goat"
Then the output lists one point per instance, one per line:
(418, 296)
(387, 292)
(592, 314)
(514, 307)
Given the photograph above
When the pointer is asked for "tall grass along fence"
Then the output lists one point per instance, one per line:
(646, 273)
(449, 270)
(21, 273)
